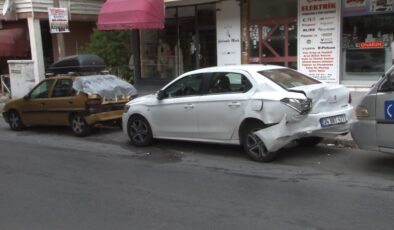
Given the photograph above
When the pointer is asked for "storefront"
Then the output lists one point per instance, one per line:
(187, 42)
(367, 33)
(337, 41)
(273, 32)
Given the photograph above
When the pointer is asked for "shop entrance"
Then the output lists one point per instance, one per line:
(273, 42)
(187, 42)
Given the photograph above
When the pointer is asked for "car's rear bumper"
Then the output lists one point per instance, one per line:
(290, 129)
(104, 117)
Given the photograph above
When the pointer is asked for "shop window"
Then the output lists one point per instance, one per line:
(369, 60)
(366, 46)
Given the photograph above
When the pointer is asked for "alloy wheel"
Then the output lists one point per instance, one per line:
(79, 126)
(139, 131)
(15, 121)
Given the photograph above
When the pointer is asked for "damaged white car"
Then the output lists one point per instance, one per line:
(262, 107)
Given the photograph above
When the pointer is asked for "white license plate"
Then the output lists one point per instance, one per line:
(334, 120)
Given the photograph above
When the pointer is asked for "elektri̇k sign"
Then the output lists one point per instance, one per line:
(319, 39)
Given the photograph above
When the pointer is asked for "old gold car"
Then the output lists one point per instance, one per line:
(69, 100)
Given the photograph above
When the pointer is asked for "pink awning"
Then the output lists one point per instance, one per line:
(131, 14)
(14, 43)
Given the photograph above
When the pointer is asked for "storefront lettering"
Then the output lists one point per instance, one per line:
(325, 6)
(378, 44)
(232, 40)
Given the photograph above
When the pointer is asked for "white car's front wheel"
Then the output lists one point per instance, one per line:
(139, 131)
(253, 145)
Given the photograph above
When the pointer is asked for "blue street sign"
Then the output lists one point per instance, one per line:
(389, 110)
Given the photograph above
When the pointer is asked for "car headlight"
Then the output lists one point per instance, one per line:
(126, 108)
(361, 111)
(300, 105)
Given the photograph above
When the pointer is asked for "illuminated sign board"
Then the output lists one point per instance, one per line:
(366, 45)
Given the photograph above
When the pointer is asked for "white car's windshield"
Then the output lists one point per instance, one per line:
(288, 78)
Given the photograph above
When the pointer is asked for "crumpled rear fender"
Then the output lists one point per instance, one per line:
(289, 129)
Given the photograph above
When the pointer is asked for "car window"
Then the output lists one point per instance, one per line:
(187, 86)
(288, 78)
(228, 83)
(385, 86)
(63, 88)
(41, 90)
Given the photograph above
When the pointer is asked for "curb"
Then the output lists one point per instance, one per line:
(340, 143)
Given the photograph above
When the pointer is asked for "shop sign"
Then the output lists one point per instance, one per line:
(367, 7)
(228, 33)
(366, 45)
(58, 20)
(318, 39)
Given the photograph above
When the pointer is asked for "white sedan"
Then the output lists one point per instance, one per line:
(261, 107)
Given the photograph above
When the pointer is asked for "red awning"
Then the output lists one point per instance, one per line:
(131, 14)
(14, 43)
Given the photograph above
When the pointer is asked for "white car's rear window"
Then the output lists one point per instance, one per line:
(288, 78)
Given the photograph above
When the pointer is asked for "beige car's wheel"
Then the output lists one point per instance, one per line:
(15, 121)
(79, 126)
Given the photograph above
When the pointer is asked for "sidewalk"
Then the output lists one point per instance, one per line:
(3, 100)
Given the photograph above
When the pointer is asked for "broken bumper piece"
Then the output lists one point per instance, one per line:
(327, 124)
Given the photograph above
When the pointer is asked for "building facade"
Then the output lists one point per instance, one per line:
(338, 41)
(25, 32)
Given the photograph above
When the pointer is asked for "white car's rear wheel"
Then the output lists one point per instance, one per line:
(253, 145)
(139, 131)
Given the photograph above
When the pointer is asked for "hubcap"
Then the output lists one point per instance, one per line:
(255, 146)
(138, 131)
(78, 124)
(14, 120)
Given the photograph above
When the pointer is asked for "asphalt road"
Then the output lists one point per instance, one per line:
(53, 180)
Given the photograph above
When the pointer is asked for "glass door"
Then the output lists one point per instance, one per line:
(274, 42)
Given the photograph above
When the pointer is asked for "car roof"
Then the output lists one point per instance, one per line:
(248, 68)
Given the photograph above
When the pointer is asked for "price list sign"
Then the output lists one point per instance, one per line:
(319, 39)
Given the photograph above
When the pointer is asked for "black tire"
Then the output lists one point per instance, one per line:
(79, 126)
(15, 121)
(139, 131)
(253, 145)
(309, 141)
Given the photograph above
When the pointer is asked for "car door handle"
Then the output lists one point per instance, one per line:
(70, 102)
(234, 104)
(189, 106)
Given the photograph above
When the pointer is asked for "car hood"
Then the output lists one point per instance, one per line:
(325, 97)
(147, 99)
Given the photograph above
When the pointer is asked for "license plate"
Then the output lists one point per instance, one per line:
(334, 120)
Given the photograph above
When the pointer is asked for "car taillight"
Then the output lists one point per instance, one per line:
(300, 105)
(93, 104)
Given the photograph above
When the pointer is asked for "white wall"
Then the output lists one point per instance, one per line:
(228, 33)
